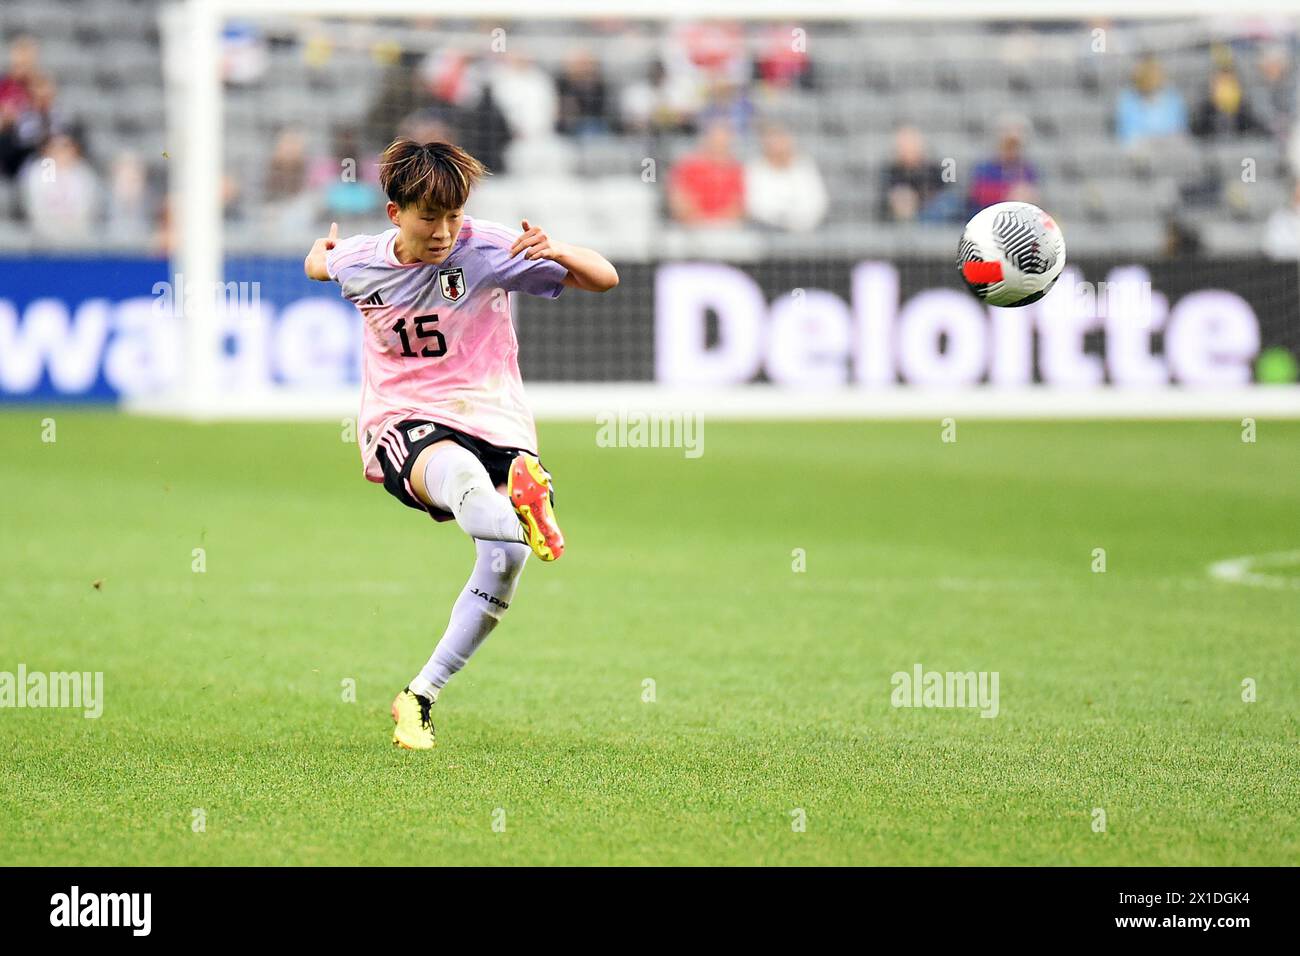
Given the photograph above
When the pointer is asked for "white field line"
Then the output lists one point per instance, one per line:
(1246, 570)
(995, 584)
(586, 401)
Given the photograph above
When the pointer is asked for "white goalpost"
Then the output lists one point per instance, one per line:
(198, 137)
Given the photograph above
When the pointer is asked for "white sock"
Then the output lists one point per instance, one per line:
(423, 688)
(478, 610)
(458, 482)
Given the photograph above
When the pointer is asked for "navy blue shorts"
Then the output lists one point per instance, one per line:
(418, 434)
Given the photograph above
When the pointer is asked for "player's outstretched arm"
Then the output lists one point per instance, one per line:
(314, 264)
(588, 269)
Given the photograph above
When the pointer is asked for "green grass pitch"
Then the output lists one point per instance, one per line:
(224, 690)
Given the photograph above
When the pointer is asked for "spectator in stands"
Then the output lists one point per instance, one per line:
(1182, 239)
(24, 67)
(163, 243)
(13, 151)
(584, 96)
(728, 102)
(705, 49)
(1150, 107)
(658, 104)
(286, 176)
(912, 187)
(525, 94)
(426, 126)
(1282, 234)
(783, 187)
(707, 187)
(232, 199)
(130, 212)
(443, 98)
(289, 205)
(244, 54)
(400, 94)
(458, 92)
(783, 61)
(346, 178)
(36, 122)
(1277, 93)
(1224, 111)
(483, 131)
(61, 196)
(1009, 177)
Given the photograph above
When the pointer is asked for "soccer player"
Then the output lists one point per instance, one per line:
(444, 424)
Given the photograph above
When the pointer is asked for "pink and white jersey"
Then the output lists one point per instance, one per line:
(439, 342)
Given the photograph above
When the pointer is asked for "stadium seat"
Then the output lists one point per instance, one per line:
(871, 76)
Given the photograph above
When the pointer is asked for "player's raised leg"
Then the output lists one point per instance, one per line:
(449, 476)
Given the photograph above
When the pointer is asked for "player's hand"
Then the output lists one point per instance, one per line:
(329, 242)
(536, 244)
(315, 264)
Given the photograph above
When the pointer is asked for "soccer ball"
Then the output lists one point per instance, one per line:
(1011, 254)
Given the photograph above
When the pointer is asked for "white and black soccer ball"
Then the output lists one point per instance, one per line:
(1011, 254)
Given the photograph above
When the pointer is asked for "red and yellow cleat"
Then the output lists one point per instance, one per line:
(529, 487)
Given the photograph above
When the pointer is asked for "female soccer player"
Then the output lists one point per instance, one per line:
(443, 423)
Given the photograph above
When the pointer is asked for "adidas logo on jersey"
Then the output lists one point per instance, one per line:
(373, 300)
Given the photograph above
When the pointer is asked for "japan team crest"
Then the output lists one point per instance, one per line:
(452, 282)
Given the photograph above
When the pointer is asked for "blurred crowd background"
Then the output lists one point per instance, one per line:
(1169, 138)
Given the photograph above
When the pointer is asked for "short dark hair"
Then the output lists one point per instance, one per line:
(432, 176)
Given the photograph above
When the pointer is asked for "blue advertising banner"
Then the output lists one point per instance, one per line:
(58, 317)
(101, 329)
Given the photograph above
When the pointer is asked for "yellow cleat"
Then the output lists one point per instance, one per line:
(529, 487)
(414, 730)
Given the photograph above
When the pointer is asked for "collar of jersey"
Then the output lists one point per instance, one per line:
(391, 258)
